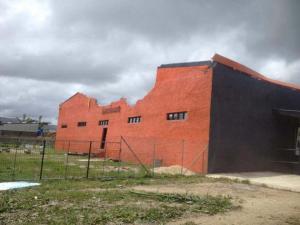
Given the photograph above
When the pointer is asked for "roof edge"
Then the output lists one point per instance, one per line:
(186, 64)
(237, 66)
(77, 93)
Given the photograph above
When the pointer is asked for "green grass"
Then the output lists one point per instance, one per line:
(16, 165)
(105, 198)
(104, 202)
(207, 204)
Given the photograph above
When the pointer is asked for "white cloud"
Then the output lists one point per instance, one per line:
(281, 69)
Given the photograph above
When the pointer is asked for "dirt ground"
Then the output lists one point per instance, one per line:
(259, 205)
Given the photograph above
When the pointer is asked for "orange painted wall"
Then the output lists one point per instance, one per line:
(176, 89)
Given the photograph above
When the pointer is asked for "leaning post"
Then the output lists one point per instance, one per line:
(43, 156)
(89, 159)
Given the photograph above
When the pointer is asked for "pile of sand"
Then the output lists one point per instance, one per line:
(174, 170)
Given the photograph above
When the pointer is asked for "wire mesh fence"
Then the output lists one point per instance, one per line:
(165, 155)
(20, 159)
(35, 159)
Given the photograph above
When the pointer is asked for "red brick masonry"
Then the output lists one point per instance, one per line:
(183, 88)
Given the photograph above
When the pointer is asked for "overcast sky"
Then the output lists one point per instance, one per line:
(50, 50)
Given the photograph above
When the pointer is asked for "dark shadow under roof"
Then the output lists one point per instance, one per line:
(187, 64)
(288, 112)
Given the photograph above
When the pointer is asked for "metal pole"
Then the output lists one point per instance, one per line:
(88, 165)
(182, 154)
(63, 147)
(15, 159)
(154, 148)
(119, 159)
(203, 162)
(104, 159)
(198, 156)
(42, 162)
(136, 157)
(67, 160)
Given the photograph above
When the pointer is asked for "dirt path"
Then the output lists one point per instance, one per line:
(259, 205)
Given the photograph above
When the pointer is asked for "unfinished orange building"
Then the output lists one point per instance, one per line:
(183, 112)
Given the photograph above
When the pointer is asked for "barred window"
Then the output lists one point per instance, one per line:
(64, 126)
(134, 119)
(81, 124)
(177, 116)
(103, 122)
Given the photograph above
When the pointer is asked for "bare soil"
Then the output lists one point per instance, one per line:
(174, 170)
(259, 205)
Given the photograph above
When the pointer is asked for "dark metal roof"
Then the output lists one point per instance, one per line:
(187, 64)
(26, 127)
(22, 127)
(9, 120)
(51, 128)
(288, 112)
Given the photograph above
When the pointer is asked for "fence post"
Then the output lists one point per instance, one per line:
(15, 159)
(103, 162)
(198, 156)
(182, 155)
(154, 148)
(42, 162)
(119, 157)
(203, 162)
(67, 160)
(135, 156)
(88, 165)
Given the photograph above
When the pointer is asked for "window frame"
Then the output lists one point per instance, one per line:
(103, 123)
(81, 124)
(177, 116)
(134, 119)
(64, 126)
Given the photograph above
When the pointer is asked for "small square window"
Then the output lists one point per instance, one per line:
(103, 122)
(81, 124)
(135, 119)
(176, 116)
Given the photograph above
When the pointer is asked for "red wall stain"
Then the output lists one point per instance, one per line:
(176, 89)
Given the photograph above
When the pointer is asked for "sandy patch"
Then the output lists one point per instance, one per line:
(173, 170)
(260, 205)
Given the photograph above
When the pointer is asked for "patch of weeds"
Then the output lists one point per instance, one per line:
(246, 181)
(228, 180)
(213, 205)
(134, 214)
(162, 214)
(4, 203)
(207, 204)
(119, 214)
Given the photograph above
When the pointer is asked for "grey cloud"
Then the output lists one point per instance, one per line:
(110, 49)
(271, 25)
(59, 67)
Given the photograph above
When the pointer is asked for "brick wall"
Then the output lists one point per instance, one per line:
(176, 89)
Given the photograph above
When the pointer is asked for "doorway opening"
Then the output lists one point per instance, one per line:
(103, 139)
